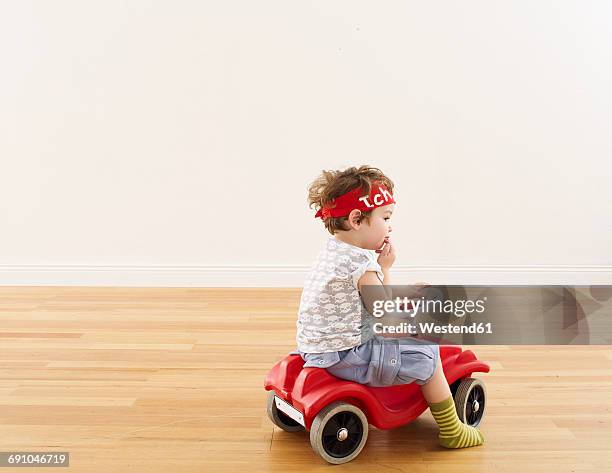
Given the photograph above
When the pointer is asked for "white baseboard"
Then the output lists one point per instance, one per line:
(289, 276)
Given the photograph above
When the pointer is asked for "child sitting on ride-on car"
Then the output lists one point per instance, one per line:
(356, 206)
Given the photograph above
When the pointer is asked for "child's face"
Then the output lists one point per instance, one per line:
(378, 228)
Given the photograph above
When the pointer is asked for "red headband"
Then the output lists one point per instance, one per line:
(342, 206)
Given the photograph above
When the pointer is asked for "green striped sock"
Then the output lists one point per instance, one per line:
(454, 433)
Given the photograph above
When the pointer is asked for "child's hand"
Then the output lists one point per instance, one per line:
(387, 254)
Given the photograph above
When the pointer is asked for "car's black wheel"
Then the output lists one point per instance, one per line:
(470, 401)
(454, 386)
(280, 419)
(339, 432)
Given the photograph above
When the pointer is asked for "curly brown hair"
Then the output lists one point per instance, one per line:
(332, 184)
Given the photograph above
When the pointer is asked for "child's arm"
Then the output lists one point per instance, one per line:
(377, 291)
(386, 258)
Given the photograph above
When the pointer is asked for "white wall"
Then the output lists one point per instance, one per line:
(171, 143)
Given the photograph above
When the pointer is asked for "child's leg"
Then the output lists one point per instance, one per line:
(436, 389)
(453, 433)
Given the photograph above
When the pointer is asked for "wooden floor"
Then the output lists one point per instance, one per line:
(157, 380)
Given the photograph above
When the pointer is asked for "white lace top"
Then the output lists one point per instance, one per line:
(330, 317)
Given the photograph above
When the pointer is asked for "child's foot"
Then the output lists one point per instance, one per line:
(454, 433)
(466, 437)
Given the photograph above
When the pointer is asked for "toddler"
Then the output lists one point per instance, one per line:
(356, 206)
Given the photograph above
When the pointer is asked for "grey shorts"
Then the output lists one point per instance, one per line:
(381, 361)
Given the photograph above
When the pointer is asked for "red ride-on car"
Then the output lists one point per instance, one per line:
(337, 412)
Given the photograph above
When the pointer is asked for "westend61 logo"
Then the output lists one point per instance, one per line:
(458, 308)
